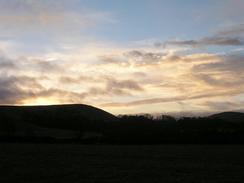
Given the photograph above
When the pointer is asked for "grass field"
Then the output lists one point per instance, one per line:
(58, 163)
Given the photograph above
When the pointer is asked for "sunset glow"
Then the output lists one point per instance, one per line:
(121, 58)
(40, 101)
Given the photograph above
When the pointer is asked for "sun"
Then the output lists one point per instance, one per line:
(40, 101)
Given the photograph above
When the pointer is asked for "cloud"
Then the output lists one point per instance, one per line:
(143, 56)
(6, 63)
(175, 99)
(62, 96)
(220, 81)
(28, 89)
(141, 60)
(122, 78)
(24, 65)
(223, 106)
(134, 58)
(123, 84)
(76, 80)
(17, 90)
(46, 66)
(60, 80)
(227, 36)
(107, 85)
(227, 63)
(14, 89)
(58, 18)
(220, 76)
(234, 30)
(210, 41)
(23, 79)
(115, 87)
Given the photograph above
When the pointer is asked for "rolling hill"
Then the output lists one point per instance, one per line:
(54, 121)
(229, 116)
(85, 124)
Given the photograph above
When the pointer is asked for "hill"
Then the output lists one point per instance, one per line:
(53, 121)
(229, 116)
(87, 124)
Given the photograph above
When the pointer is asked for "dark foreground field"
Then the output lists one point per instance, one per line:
(104, 163)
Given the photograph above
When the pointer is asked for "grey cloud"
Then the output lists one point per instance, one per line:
(46, 66)
(210, 41)
(135, 58)
(6, 63)
(223, 106)
(144, 102)
(16, 88)
(175, 99)
(101, 91)
(143, 57)
(123, 84)
(190, 58)
(68, 80)
(226, 73)
(223, 81)
(232, 36)
(111, 86)
(111, 59)
(139, 74)
(13, 89)
(222, 41)
(228, 63)
(236, 30)
(135, 53)
(77, 80)
(40, 65)
(176, 85)
(95, 91)
(23, 63)
(138, 58)
(115, 87)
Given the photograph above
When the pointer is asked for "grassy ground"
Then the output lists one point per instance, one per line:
(57, 163)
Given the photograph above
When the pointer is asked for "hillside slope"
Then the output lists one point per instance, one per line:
(229, 116)
(79, 117)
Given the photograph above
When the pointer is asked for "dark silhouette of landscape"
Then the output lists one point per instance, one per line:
(86, 124)
(81, 143)
(163, 80)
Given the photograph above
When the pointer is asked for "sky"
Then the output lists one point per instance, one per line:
(124, 56)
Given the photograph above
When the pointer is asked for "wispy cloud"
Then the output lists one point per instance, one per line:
(210, 41)
(55, 52)
(227, 64)
(234, 30)
(223, 105)
(174, 99)
(55, 18)
(228, 36)
(14, 89)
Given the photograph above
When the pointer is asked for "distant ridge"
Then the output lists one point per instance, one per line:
(229, 116)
